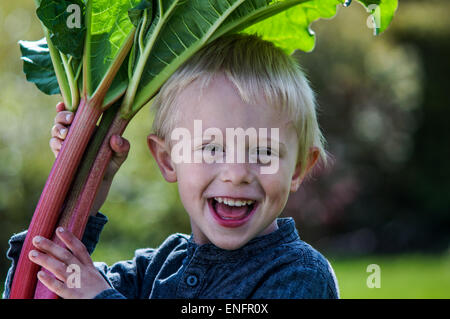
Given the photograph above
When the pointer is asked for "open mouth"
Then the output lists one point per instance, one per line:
(231, 212)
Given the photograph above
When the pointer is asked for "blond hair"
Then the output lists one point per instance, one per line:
(254, 66)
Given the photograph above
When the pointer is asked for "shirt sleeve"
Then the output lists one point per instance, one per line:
(298, 281)
(90, 239)
(126, 277)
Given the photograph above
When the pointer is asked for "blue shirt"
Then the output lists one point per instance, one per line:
(276, 265)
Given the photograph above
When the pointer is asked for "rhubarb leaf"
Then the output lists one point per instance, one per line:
(65, 21)
(249, 13)
(382, 12)
(135, 14)
(290, 28)
(109, 29)
(142, 16)
(288, 23)
(186, 31)
(38, 67)
(146, 34)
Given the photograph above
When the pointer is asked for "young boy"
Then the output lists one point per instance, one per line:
(238, 248)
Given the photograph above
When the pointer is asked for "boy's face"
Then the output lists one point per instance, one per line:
(203, 185)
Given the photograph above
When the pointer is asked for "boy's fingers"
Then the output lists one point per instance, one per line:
(60, 107)
(52, 283)
(75, 245)
(55, 145)
(64, 118)
(56, 267)
(59, 131)
(55, 250)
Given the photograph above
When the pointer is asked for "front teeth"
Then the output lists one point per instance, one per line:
(232, 202)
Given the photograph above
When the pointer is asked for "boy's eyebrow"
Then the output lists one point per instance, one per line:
(269, 142)
(199, 140)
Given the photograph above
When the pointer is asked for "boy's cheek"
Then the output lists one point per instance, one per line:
(277, 185)
(197, 173)
(192, 179)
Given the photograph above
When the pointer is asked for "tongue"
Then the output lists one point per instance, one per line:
(223, 210)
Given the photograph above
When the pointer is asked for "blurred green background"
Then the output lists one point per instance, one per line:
(384, 110)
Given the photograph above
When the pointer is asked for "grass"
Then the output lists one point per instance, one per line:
(401, 276)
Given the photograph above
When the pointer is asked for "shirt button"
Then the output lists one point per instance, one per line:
(192, 280)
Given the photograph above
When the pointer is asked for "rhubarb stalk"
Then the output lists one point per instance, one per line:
(66, 219)
(79, 204)
(52, 197)
(91, 107)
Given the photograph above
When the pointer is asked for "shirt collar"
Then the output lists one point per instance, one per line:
(285, 233)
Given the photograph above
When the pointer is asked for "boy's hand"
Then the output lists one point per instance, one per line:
(76, 275)
(119, 145)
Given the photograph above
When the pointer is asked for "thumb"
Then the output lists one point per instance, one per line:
(120, 147)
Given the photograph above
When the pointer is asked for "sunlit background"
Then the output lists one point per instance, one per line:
(384, 110)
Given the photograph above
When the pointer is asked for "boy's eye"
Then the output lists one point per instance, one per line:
(264, 152)
(263, 155)
(211, 148)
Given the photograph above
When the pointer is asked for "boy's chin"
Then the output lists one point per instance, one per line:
(229, 242)
(235, 240)
(230, 246)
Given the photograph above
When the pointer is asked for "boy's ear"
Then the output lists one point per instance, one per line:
(297, 177)
(161, 153)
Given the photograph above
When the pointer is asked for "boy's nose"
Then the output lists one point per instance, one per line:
(236, 173)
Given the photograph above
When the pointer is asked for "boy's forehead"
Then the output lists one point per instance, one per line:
(218, 92)
(220, 105)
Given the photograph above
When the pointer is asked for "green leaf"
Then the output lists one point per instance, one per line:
(145, 37)
(245, 15)
(382, 12)
(109, 29)
(65, 21)
(118, 86)
(135, 14)
(287, 23)
(38, 67)
(142, 16)
(187, 30)
(166, 33)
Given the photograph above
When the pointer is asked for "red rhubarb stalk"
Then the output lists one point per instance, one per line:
(81, 212)
(48, 208)
(75, 218)
(79, 182)
(76, 213)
